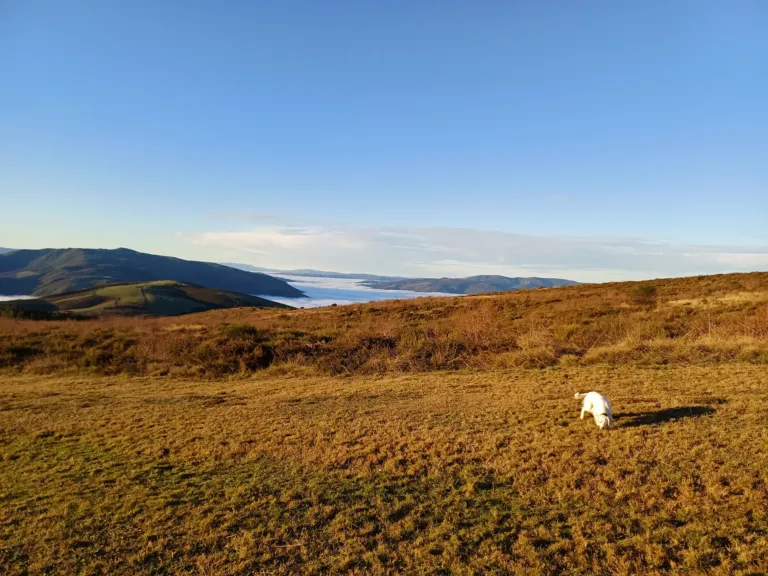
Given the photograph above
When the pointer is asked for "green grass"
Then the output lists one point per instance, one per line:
(161, 298)
(439, 473)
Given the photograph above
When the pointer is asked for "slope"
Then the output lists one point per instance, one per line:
(711, 319)
(162, 298)
(58, 271)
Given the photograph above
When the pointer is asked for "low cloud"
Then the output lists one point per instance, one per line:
(277, 242)
(444, 251)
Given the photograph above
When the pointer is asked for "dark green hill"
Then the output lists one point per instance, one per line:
(58, 271)
(161, 298)
(470, 285)
(34, 309)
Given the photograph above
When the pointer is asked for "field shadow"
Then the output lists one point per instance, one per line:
(661, 416)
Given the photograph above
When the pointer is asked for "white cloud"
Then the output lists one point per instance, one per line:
(743, 259)
(272, 241)
(443, 251)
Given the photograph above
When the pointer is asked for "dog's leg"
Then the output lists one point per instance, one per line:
(582, 412)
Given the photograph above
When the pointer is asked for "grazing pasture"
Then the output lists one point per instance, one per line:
(420, 437)
(464, 473)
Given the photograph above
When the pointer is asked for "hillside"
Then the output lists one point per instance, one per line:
(32, 309)
(58, 271)
(4, 250)
(710, 319)
(428, 436)
(162, 298)
(470, 285)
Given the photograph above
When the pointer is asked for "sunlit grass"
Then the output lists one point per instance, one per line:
(436, 436)
(436, 473)
(712, 319)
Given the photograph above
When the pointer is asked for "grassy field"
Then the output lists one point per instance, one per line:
(161, 298)
(436, 436)
(465, 473)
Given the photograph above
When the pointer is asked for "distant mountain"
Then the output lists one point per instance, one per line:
(246, 267)
(350, 276)
(470, 285)
(313, 273)
(57, 271)
(4, 250)
(162, 298)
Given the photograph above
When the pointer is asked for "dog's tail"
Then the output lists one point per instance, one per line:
(580, 396)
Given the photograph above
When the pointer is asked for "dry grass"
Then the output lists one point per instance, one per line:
(713, 302)
(712, 319)
(460, 473)
(226, 443)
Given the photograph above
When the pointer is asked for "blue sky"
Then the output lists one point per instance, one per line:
(595, 140)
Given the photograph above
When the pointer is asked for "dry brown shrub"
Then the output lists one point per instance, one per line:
(590, 323)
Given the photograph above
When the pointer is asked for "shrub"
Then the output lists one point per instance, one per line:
(644, 294)
(584, 324)
(241, 332)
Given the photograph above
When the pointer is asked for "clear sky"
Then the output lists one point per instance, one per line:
(591, 140)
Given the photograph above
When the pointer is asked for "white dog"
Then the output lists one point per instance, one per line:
(596, 404)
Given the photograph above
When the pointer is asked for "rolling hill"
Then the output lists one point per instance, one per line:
(32, 309)
(427, 436)
(470, 285)
(661, 322)
(57, 271)
(161, 298)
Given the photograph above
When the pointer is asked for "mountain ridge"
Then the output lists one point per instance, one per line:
(51, 271)
(482, 284)
(479, 284)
